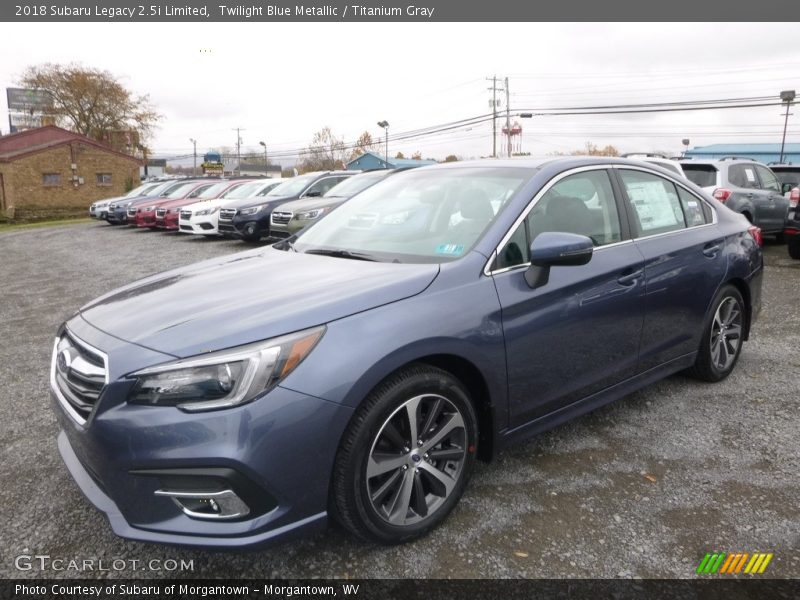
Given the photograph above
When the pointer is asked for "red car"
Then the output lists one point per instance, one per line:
(168, 213)
(145, 214)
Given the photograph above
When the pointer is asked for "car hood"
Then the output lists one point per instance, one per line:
(204, 204)
(248, 297)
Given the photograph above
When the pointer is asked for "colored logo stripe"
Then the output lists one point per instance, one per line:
(732, 563)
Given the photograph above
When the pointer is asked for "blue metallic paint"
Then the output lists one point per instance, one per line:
(544, 355)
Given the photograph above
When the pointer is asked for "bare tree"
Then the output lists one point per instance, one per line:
(91, 101)
(325, 153)
(364, 144)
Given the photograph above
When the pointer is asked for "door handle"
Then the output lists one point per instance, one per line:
(630, 278)
(711, 250)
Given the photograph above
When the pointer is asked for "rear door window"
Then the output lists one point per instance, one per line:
(656, 206)
(743, 176)
(694, 209)
(768, 179)
(702, 175)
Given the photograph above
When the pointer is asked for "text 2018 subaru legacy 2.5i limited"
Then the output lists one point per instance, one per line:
(357, 370)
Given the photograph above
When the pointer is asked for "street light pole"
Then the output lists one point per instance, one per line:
(685, 142)
(786, 96)
(194, 167)
(385, 125)
(266, 163)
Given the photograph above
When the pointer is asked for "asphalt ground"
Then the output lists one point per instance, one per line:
(641, 488)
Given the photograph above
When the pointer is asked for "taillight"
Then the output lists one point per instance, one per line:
(794, 197)
(756, 233)
(722, 194)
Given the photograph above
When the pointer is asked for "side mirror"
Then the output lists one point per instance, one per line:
(313, 194)
(556, 249)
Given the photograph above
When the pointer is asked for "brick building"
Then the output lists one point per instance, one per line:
(52, 172)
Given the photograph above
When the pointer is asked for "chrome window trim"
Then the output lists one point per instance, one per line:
(524, 214)
(65, 404)
(674, 179)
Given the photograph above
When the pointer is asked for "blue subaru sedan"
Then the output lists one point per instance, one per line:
(357, 370)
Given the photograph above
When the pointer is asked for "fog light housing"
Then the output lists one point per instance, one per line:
(223, 504)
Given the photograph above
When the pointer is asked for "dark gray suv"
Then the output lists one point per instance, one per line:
(743, 185)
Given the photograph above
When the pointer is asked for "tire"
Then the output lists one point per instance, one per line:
(250, 233)
(793, 245)
(416, 483)
(721, 344)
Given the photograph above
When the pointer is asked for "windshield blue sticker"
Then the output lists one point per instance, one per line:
(450, 249)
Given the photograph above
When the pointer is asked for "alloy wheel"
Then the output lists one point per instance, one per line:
(416, 460)
(726, 333)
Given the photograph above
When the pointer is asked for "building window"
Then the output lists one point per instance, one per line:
(104, 179)
(51, 178)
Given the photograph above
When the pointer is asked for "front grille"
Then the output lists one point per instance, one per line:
(131, 212)
(79, 374)
(281, 218)
(227, 214)
(186, 215)
(160, 212)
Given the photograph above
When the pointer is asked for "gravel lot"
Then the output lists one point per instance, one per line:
(642, 488)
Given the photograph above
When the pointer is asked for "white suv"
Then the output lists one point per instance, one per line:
(202, 218)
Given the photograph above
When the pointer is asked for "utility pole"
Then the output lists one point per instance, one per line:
(238, 150)
(194, 168)
(508, 120)
(494, 114)
(786, 96)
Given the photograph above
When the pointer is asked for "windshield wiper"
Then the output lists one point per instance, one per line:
(342, 254)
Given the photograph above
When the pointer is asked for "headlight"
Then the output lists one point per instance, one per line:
(225, 378)
(207, 211)
(309, 215)
(252, 210)
(149, 208)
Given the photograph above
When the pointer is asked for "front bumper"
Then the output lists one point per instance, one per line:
(202, 225)
(117, 216)
(282, 444)
(168, 221)
(146, 219)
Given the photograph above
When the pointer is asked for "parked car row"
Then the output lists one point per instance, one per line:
(252, 210)
(239, 208)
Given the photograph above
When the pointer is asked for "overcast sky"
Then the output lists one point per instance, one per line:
(282, 83)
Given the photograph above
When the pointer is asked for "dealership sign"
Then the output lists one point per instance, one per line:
(28, 99)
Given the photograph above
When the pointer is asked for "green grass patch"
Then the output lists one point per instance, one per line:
(4, 227)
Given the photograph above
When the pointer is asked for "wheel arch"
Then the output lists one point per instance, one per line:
(463, 369)
(744, 290)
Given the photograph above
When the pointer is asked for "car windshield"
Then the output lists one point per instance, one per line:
(424, 216)
(242, 191)
(215, 190)
(159, 189)
(141, 190)
(268, 188)
(294, 186)
(170, 187)
(352, 185)
(181, 191)
(702, 175)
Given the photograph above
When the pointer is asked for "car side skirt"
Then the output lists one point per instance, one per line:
(595, 401)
